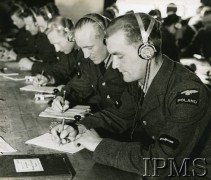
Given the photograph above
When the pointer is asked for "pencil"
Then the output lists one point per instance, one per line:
(41, 76)
(64, 93)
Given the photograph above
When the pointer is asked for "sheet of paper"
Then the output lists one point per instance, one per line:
(41, 89)
(28, 165)
(5, 147)
(46, 141)
(69, 114)
(15, 78)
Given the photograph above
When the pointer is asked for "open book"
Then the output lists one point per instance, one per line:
(46, 141)
(41, 89)
(69, 114)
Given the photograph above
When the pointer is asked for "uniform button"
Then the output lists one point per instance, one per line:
(92, 85)
(79, 63)
(153, 137)
(145, 123)
(57, 57)
(108, 97)
(103, 84)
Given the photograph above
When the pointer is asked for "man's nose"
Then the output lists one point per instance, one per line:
(86, 53)
(115, 63)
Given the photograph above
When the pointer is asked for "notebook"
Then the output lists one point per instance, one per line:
(69, 114)
(41, 89)
(36, 166)
(46, 141)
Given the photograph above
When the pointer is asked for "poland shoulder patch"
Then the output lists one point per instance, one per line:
(189, 96)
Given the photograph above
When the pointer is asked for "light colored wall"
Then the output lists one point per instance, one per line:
(186, 8)
(75, 9)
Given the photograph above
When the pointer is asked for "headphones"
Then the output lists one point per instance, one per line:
(49, 15)
(147, 49)
(100, 24)
(70, 37)
(21, 9)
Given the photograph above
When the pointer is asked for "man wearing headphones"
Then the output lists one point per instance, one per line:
(105, 82)
(170, 114)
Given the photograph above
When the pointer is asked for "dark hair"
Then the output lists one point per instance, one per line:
(49, 11)
(100, 21)
(17, 9)
(31, 12)
(155, 13)
(171, 7)
(171, 19)
(129, 25)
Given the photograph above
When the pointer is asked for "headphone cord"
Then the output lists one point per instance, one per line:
(141, 99)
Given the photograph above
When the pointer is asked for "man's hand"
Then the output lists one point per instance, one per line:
(25, 64)
(90, 139)
(69, 133)
(59, 104)
(12, 55)
(40, 80)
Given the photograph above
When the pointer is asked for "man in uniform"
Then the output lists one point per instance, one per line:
(106, 83)
(168, 108)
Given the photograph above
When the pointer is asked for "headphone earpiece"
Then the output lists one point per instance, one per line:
(147, 49)
(49, 15)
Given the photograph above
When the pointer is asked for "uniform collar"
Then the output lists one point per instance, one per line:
(108, 61)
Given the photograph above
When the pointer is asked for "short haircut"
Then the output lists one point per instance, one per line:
(129, 25)
(18, 9)
(60, 23)
(31, 12)
(88, 19)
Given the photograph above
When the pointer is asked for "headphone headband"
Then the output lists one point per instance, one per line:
(146, 50)
(49, 15)
(93, 18)
(144, 34)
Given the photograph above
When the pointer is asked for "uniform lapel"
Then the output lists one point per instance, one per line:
(157, 88)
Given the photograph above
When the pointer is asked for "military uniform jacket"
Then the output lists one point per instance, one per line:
(41, 49)
(21, 40)
(66, 67)
(96, 87)
(171, 120)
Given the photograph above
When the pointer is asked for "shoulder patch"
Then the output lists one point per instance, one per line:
(168, 141)
(189, 96)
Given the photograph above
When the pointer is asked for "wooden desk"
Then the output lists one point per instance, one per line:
(19, 115)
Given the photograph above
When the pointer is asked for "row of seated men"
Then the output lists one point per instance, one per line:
(148, 106)
(185, 37)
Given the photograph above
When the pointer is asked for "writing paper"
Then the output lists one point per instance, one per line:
(28, 165)
(46, 141)
(5, 147)
(41, 89)
(69, 114)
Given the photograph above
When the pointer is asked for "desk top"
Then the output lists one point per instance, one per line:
(19, 117)
(202, 67)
